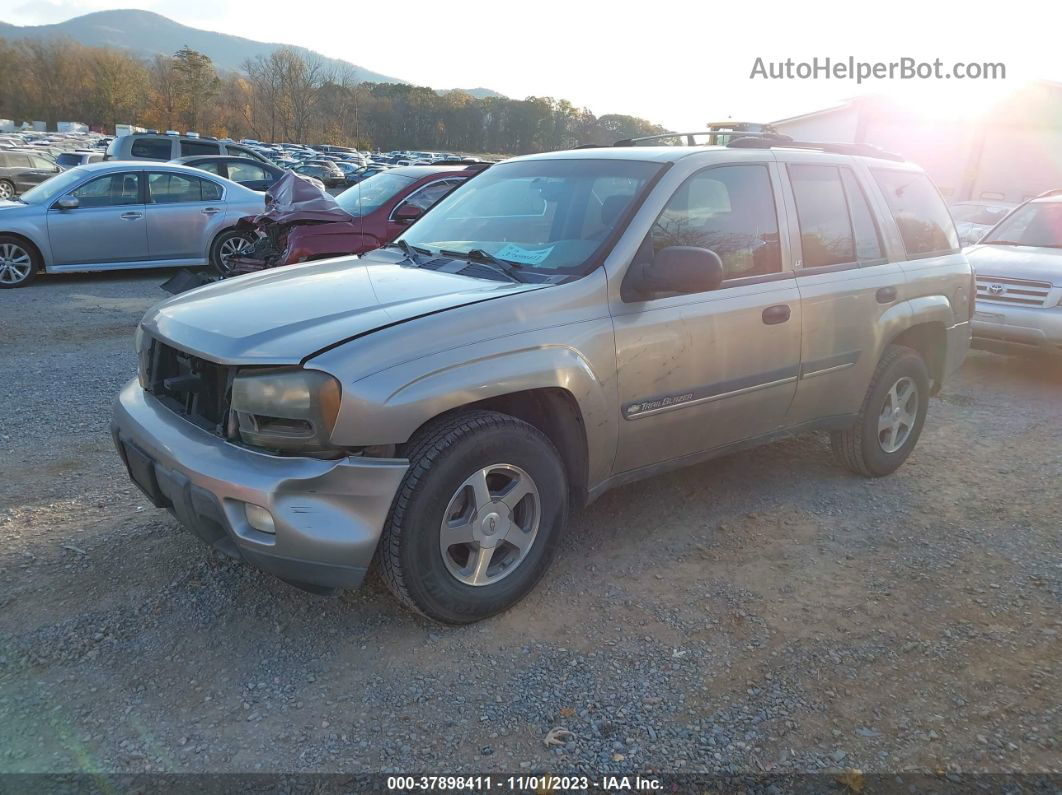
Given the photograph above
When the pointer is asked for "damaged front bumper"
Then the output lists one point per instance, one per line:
(327, 515)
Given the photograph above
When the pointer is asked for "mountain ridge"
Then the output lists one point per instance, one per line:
(158, 34)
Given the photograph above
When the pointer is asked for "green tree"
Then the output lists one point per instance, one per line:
(197, 83)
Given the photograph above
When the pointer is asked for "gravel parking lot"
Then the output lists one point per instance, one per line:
(763, 612)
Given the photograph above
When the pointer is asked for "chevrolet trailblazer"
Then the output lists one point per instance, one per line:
(563, 324)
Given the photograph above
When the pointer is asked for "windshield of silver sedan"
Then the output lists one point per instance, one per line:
(547, 215)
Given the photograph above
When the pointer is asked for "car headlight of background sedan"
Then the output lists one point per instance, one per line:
(286, 409)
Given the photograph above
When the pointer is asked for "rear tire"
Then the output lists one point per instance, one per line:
(891, 417)
(477, 481)
(225, 245)
(19, 262)
(7, 190)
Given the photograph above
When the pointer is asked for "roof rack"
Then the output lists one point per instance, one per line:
(689, 136)
(771, 140)
(766, 139)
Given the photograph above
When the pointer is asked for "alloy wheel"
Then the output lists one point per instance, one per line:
(6, 191)
(898, 415)
(234, 247)
(16, 264)
(490, 524)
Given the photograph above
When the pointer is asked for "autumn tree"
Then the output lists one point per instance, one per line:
(197, 83)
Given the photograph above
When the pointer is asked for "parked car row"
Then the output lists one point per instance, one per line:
(23, 169)
(112, 215)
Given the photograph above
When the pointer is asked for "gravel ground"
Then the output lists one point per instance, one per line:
(764, 612)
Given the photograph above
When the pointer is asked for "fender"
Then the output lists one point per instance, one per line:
(913, 312)
(388, 407)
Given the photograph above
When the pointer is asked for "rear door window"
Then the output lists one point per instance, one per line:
(836, 224)
(247, 172)
(152, 148)
(210, 166)
(192, 148)
(172, 188)
(923, 218)
(822, 212)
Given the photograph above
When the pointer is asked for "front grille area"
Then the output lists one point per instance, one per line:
(1012, 291)
(195, 388)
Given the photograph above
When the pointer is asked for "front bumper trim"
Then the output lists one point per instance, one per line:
(328, 514)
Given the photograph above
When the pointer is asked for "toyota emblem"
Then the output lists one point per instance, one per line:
(996, 289)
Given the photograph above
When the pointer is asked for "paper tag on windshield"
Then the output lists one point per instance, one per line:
(523, 256)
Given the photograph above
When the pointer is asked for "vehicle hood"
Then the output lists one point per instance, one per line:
(1017, 262)
(285, 315)
(11, 207)
(293, 198)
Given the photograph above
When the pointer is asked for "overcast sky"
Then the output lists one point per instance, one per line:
(674, 63)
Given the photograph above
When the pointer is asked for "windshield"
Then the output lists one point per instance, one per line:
(54, 187)
(371, 193)
(1035, 224)
(68, 159)
(551, 215)
(983, 214)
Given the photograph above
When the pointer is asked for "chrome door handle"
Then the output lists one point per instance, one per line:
(779, 313)
(131, 216)
(210, 211)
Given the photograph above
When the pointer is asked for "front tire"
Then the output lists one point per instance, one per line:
(891, 417)
(19, 262)
(477, 518)
(228, 244)
(7, 190)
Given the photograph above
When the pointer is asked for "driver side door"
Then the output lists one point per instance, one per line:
(697, 372)
(107, 226)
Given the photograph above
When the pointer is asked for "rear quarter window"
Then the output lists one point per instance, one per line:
(924, 221)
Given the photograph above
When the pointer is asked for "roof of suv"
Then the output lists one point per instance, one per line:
(670, 154)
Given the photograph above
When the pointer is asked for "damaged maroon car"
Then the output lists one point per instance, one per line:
(303, 224)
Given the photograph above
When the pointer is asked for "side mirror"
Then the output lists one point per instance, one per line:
(407, 214)
(68, 203)
(675, 269)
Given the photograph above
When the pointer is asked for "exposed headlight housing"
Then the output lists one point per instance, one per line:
(142, 346)
(286, 409)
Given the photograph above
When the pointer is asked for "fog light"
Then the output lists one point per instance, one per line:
(259, 518)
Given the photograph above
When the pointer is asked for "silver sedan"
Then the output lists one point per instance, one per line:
(113, 215)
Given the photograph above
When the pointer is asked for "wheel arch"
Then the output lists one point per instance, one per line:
(930, 340)
(37, 251)
(553, 411)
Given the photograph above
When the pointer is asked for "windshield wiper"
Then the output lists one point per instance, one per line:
(410, 251)
(481, 257)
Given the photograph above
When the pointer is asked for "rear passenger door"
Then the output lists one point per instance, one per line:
(700, 371)
(845, 279)
(184, 214)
